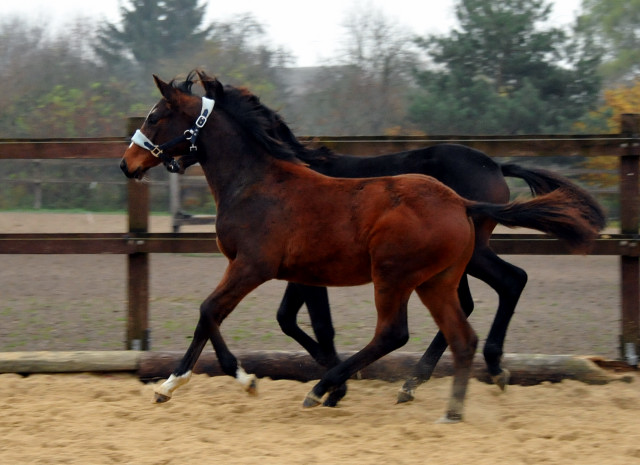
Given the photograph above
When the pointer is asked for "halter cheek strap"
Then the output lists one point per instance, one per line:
(190, 135)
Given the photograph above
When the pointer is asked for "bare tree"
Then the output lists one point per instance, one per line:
(382, 54)
(363, 90)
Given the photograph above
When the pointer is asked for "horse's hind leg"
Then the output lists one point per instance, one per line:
(439, 295)
(323, 351)
(426, 365)
(236, 283)
(508, 281)
(391, 333)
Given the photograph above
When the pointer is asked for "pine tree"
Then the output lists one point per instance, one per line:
(503, 72)
(151, 30)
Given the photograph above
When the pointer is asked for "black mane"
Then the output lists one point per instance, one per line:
(246, 109)
(263, 123)
(186, 85)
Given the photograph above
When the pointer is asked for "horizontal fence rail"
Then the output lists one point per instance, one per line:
(502, 146)
(130, 243)
(138, 243)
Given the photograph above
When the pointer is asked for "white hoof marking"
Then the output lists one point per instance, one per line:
(174, 382)
(248, 382)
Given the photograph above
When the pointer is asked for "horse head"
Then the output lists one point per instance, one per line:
(169, 130)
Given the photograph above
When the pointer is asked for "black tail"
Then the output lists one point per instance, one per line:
(558, 213)
(543, 181)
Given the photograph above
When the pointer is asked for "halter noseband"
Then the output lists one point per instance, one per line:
(189, 135)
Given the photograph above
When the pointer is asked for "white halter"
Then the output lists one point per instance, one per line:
(189, 135)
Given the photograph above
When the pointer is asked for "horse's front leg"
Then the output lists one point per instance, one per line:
(237, 282)
(317, 301)
(230, 365)
(292, 302)
(323, 351)
(182, 373)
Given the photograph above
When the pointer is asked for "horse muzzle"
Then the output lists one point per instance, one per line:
(137, 174)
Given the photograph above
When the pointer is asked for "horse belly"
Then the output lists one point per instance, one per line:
(331, 269)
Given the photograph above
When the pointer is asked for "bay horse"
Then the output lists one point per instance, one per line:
(473, 175)
(403, 233)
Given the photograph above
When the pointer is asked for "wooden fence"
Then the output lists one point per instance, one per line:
(137, 243)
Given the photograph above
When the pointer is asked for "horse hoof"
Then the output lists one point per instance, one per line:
(450, 419)
(311, 400)
(161, 398)
(252, 387)
(249, 382)
(502, 380)
(335, 396)
(331, 402)
(404, 396)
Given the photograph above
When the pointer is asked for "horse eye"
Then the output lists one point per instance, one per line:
(153, 118)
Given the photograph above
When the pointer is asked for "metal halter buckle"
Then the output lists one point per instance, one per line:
(202, 119)
(156, 151)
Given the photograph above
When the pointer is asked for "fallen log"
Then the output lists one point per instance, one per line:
(69, 361)
(526, 369)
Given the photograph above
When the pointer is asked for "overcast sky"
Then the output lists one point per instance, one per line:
(310, 30)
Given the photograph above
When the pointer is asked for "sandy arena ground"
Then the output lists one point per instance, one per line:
(88, 419)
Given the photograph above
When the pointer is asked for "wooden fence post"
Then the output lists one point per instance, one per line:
(629, 222)
(138, 332)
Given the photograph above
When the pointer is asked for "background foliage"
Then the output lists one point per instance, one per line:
(502, 70)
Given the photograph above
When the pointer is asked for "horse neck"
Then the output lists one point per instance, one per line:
(231, 164)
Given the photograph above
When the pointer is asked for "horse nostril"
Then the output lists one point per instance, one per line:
(125, 169)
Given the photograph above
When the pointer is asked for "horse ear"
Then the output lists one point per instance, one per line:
(167, 90)
(203, 75)
(212, 87)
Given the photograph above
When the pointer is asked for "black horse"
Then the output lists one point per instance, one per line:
(473, 175)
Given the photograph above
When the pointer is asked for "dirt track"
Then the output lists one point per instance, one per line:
(77, 302)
